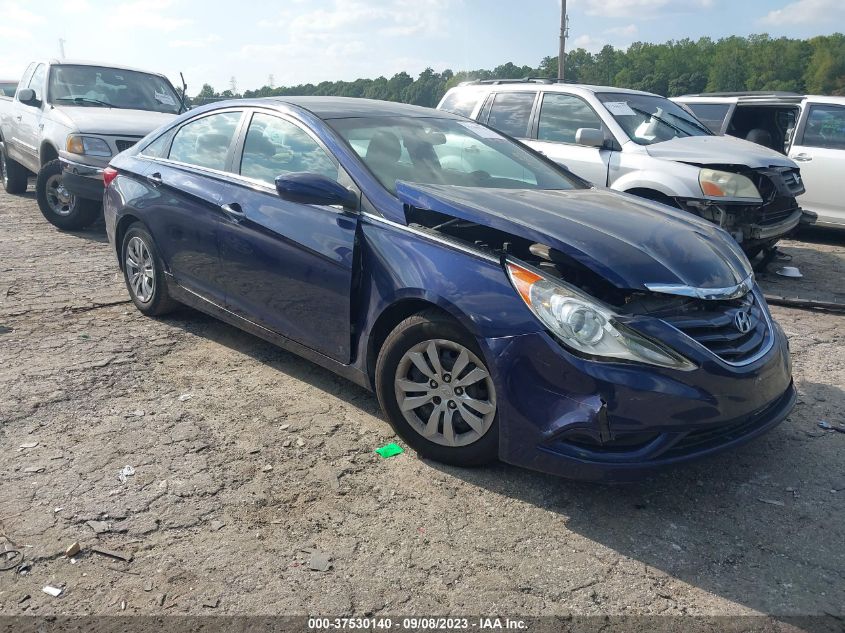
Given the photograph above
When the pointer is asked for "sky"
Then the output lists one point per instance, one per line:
(300, 41)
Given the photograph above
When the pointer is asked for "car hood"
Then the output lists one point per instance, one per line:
(627, 240)
(718, 150)
(114, 121)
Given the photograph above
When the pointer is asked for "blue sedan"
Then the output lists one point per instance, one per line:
(499, 306)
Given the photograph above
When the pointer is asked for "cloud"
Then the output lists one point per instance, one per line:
(806, 12)
(200, 42)
(641, 9)
(15, 14)
(627, 31)
(139, 15)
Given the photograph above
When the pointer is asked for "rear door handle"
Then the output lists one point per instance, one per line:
(18, 118)
(233, 210)
(155, 179)
(803, 158)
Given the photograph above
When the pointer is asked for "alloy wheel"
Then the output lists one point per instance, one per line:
(61, 201)
(140, 270)
(445, 393)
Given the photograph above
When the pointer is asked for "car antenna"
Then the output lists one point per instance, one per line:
(184, 92)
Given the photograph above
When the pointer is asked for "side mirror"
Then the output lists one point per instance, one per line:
(27, 97)
(589, 136)
(309, 188)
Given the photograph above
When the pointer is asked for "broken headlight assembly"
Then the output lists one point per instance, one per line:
(724, 184)
(585, 325)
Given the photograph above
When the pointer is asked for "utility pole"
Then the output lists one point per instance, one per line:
(62, 47)
(564, 31)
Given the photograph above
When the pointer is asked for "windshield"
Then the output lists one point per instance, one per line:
(446, 152)
(649, 119)
(98, 87)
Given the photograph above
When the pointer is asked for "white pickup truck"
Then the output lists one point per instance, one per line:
(645, 145)
(66, 121)
(809, 129)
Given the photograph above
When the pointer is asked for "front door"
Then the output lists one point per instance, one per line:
(820, 152)
(561, 116)
(27, 122)
(288, 266)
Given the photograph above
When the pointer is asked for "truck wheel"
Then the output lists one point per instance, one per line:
(14, 175)
(60, 207)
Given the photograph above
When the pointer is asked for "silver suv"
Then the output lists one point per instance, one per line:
(645, 145)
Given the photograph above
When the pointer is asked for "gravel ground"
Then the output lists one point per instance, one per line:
(252, 464)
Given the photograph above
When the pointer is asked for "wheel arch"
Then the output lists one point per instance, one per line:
(393, 315)
(126, 220)
(47, 153)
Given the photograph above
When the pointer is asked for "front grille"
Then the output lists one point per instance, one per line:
(777, 211)
(122, 145)
(775, 182)
(715, 325)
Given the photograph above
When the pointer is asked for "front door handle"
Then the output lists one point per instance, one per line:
(233, 210)
(155, 179)
(803, 158)
(18, 118)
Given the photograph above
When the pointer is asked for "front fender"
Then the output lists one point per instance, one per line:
(665, 182)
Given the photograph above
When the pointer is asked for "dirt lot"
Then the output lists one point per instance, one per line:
(247, 459)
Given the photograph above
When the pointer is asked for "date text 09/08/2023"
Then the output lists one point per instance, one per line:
(417, 624)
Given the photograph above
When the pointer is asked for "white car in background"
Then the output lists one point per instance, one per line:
(808, 129)
(645, 145)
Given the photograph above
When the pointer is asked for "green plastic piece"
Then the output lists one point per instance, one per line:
(391, 450)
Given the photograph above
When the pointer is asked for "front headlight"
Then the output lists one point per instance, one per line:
(724, 184)
(88, 145)
(585, 325)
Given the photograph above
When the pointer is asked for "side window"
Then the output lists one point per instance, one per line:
(562, 115)
(38, 80)
(460, 102)
(711, 114)
(158, 148)
(825, 127)
(205, 142)
(275, 146)
(511, 113)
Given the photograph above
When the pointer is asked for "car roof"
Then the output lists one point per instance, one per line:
(84, 62)
(742, 97)
(523, 86)
(349, 107)
(826, 99)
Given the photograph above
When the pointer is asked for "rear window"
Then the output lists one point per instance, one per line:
(711, 114)
(461, 102)
(511, 113)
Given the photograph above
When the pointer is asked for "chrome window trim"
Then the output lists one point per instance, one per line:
(708, 294)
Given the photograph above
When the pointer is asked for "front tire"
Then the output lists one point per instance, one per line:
(437, 392)
(59, 207)
(143, 272)
(14, 175)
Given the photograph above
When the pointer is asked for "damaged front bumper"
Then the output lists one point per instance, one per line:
(615, 422)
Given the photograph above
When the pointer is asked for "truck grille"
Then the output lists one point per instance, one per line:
(122, 145)
(716, 326)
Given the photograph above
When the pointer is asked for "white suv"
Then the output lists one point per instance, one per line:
(809, 129)
(645, 145)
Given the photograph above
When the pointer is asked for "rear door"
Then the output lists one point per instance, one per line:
(187, 191)
(288, 266)
(819, 150)
(559, 119)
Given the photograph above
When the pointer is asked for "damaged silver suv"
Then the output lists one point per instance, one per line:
(646, 145)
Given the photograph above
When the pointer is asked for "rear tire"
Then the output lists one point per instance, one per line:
(14, 175)
(143, 272)
(437, 392)
(58, 206)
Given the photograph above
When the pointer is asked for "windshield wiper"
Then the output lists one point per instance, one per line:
(660, 119)
(88, 100)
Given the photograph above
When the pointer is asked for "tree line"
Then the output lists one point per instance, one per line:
(756, 62)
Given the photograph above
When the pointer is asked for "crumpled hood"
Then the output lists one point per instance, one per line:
(114, 121)
(627, 240)
(719, 150)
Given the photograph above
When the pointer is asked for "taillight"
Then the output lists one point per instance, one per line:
(109, 174)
